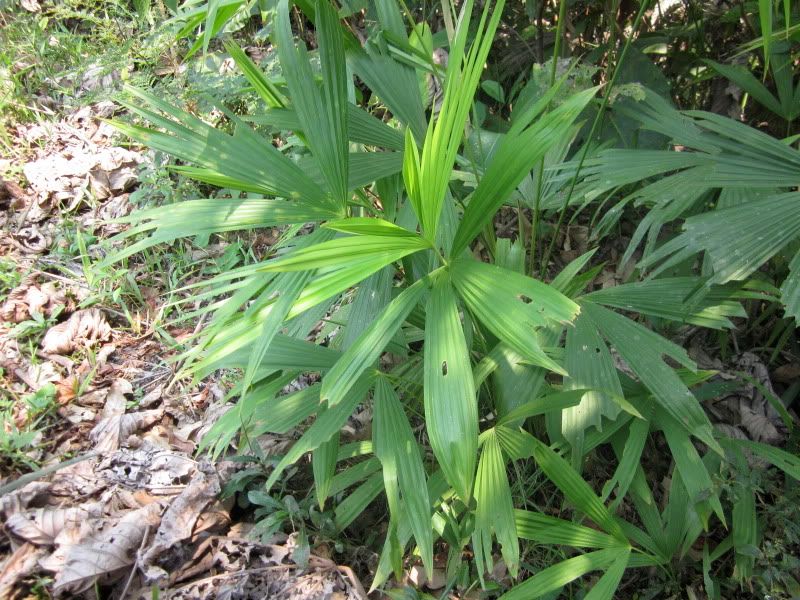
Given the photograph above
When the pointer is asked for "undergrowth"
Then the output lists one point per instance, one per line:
(495, 264)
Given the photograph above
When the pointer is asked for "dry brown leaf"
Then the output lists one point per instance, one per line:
(83, 329)
(65, 389)
(180, 518)
(107, 552)
(149, 468)
(787, 373)
(42, 526)
(31, 298)
(33, 238)
(76, 414)
(17, 567)
(115, 426)
(20, 499)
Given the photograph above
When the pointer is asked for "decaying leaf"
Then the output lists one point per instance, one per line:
(83, 329)
(42, 526)
(107, 552)
(20, 499)
(115, 426)
(17, 567)
(29, 298)
(182, 515)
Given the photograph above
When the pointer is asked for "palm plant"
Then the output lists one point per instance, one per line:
(378, 239)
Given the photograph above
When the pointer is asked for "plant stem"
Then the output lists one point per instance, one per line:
(585, 150)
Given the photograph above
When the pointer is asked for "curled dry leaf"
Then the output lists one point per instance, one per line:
(43, 525)
(65, 175)
(17, 567)
(22, 498)
(107, 552)
(115, 426)
(33, 239)
(751, 408)
(84, 328)
(28, 299)
(181, 516)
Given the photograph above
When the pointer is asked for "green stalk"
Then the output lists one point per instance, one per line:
(585, 151)
(562, 17)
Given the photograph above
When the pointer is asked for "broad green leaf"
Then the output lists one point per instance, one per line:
(371, 297)
(287, 354)
(353, 474)
(575, 489)
(513, 379)
(282, 302)
(242, 157)
(694, 474)
(322, 111)
(329, 283)
(364, 167)
(745, 531)
(411, 176)
(609, 582)
(349, 509)
(446, 130)
(512, 306)
(328, 423)
(790, 290)
(323, 464)
(437, 487)
(346, 249)
(514, 441)
(354, 449)
(590, 367)
(760, 228)
(631, 458)
(390, 18)
(280, 413)
(541, 405)
(203, 217)
(365, 351)
(544, 529)
(563, 282)
(518, 153)
(264, 87)
(370, 227)
(745, 80)
(397, 450)
(396, 85)
(559, 575)
(362, 127)
(785, 461)
(643, 349)
(667, 298)
(495, 509)
(451, 407)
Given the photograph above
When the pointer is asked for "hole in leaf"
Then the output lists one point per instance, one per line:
(444, 367)
(597, 350)
(524, 299)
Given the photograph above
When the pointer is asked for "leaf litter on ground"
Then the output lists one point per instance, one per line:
(139, 512)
